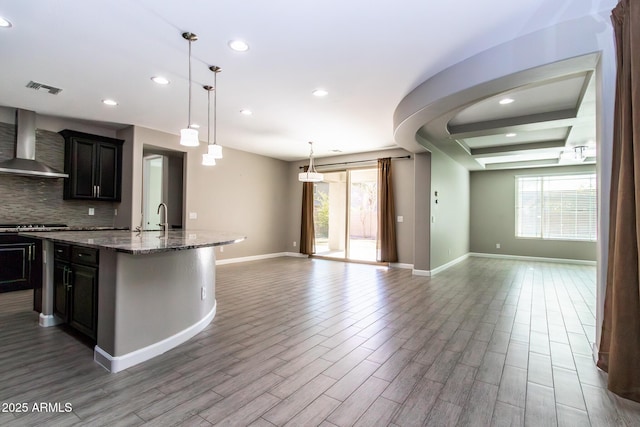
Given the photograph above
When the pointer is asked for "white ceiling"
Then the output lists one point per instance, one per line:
(368, 54)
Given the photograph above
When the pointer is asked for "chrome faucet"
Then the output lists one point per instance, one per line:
(165, 224)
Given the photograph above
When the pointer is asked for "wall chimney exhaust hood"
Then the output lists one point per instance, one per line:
(24, 162)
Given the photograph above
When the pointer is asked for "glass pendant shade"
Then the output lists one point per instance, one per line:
(215, 151)
(310, 177)
(189, 137)
(208, 160)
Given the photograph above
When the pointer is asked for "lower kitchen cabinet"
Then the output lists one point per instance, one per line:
(75, 281)
(20, 263)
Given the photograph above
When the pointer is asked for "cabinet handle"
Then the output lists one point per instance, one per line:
(30, 256)
(97, 191)
(69, 285)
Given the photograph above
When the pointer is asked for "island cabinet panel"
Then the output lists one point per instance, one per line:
(21, 265)
(94, 165)
(83, 300)
(75, 279)
(60, 289)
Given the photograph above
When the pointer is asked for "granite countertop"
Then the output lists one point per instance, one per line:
(49, 229)
(142, 242)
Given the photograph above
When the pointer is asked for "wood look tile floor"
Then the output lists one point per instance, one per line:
(304, 342)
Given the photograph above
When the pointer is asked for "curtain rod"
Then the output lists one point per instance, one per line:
(357, 161)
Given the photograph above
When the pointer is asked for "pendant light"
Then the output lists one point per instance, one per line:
(188, 135)
(311, 175)
(208, 159)
(214, 149)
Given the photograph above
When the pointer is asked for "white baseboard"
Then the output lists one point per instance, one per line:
(401, 265)
(46, 320)
(440, 269)
(296, 254)
(534, 258)
(259, 257)
(120, 363)
(426, 273)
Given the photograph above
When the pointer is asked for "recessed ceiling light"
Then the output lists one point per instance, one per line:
(238, 45)
(246, 112)
(110, 102)
(505, 101)
(320, 92)
(194, 126)
(4, 23)
(160, 80)
(511, 135)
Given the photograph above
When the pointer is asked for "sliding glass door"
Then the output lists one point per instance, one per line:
(346, 214)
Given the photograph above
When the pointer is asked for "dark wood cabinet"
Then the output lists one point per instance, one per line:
(94, 165)
(21, 265)
(75, 281)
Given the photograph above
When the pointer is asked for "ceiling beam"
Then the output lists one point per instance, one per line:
(508, 150)
(521, 123)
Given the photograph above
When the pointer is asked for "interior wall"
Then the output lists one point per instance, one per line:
(422, 212)
(402, 170)
(449, 210)
(493, 201)
(244, 193)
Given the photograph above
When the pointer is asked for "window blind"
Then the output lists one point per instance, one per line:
(562, 207)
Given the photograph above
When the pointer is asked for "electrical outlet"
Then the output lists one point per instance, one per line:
(400, 218)
(497, 245)
(203, 293)
(295, 243)
(92, 211)
(115, 212)
(221, 248)
(193, 215)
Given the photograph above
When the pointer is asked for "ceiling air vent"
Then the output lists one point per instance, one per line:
(37, 86)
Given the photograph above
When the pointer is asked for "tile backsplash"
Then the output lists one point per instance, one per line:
(39, 200)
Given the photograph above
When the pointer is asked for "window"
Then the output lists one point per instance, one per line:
(559, 207)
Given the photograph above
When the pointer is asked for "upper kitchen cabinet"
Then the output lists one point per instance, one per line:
(94, 165)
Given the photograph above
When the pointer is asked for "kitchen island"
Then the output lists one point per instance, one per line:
(154, 289)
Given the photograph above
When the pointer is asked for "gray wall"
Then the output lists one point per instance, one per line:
(39, 200)
(493, 200)
(422, 211)
(450, 215)
(244, 193)
(403, 175)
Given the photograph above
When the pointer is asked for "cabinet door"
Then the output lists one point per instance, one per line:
(15, 266)
(83, 300)
(107, 172)
(83, 158)
(61, 278)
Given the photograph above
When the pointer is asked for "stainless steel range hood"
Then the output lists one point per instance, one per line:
(24, 162)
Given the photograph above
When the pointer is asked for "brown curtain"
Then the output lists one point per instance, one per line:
(307, 231)
(387, 249)
(619, 352)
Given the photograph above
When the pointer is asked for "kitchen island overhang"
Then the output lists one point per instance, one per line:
(156, 289)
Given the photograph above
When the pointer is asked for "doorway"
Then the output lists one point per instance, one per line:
(346, 215)
(152, 194)
(162, 182)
